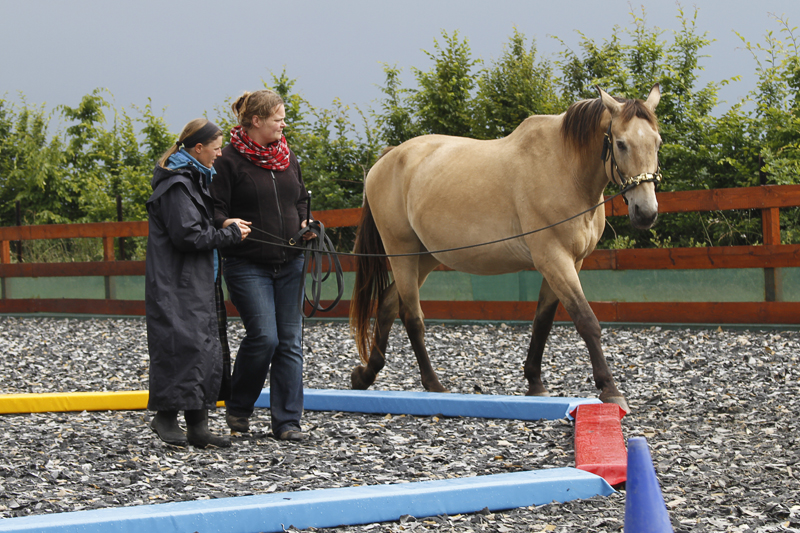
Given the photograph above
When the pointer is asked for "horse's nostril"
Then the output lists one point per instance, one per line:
(643, 218)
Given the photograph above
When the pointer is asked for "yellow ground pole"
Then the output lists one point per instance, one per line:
(75, 401)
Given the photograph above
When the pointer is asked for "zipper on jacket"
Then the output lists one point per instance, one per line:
(280, 214)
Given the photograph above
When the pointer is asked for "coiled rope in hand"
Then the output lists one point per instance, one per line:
(315, 251)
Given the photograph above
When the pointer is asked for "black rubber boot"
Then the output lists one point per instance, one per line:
(197, 430)
(165, 424)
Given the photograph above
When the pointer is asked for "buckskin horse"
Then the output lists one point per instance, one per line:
(440, 194)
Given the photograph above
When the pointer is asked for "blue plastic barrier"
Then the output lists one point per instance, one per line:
(327, 507)
(435, 403)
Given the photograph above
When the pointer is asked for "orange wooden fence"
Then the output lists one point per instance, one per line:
(769, 256)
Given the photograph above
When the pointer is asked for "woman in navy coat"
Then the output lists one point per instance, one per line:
(186, 362)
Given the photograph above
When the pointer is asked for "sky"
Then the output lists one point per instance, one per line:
(187, 58)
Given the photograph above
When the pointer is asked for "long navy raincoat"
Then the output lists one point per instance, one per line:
(182, 332)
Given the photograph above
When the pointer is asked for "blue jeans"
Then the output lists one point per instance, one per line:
(268, 300)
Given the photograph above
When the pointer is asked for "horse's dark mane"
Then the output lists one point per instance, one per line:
(581, 125)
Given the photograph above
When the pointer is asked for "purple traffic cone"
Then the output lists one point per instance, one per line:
(645, 510)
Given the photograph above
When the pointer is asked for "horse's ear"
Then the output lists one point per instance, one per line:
(653, 98)
(612, 105)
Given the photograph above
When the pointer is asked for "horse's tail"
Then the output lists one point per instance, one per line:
(372, 278)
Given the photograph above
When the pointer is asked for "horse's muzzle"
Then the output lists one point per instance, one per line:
(642, 218)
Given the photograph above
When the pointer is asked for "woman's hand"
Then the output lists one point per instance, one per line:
(307, 236)
(244, 226)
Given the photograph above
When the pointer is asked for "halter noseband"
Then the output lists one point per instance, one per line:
(626, 184)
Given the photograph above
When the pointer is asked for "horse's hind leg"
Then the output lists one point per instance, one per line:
(409, 278)
(415, 326)
(388, 307)
(542, 323)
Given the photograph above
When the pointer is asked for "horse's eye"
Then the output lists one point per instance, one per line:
(621, 146)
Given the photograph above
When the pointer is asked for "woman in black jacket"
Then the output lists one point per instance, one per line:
(186, 359)
(259, 180)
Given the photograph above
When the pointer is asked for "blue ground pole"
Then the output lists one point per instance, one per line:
(436, 403)
(327, 507)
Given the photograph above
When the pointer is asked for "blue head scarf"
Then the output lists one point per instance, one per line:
(182, 158)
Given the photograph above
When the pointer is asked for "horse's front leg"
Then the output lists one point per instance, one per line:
(542, 323)
(567, 286)
(589, 329)
(388, 307)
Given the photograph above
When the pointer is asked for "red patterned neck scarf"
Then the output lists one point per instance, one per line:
(274, 156)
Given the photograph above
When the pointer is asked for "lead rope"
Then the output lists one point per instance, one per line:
(315, 250)
(292, 243)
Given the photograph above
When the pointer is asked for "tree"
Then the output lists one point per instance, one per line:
(599, 66)
(29, 163)
(116, 161)
(396, 123)
(774, 125)
(514, 88)
(76, 175)
(693, 154)
(442, 103)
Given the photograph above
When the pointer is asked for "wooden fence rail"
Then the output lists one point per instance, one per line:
(769, 256)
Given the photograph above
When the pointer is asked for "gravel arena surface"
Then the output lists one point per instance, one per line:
(719, 408)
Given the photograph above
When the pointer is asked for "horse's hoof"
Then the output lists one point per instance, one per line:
(436, 387)
(619, 400)
(537, 392)
(357, 381)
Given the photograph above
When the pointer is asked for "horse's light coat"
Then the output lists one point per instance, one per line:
(437, 192)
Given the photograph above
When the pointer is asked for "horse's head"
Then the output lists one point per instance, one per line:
(630, 152)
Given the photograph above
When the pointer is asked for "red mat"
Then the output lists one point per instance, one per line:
(599, 444)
